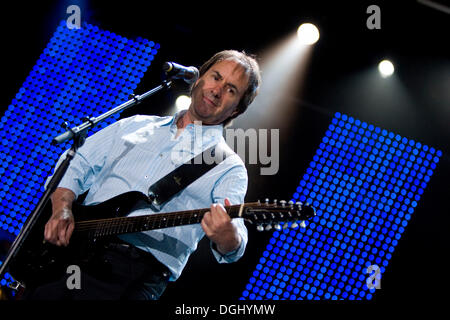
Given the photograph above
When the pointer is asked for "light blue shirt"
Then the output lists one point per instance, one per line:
(134, 153)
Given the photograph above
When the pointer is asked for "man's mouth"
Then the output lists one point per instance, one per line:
(209, 101)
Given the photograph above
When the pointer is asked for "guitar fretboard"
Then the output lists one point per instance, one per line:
(121, 225)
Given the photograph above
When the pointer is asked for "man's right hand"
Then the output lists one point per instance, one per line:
(59, 227)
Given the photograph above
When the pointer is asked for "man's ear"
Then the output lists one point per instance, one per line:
(195, 85)
(234, 113)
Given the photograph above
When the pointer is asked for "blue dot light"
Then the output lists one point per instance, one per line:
(365, 183)
(82, 72)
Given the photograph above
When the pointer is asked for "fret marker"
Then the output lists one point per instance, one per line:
(240, 210)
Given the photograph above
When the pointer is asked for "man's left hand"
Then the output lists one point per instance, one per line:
(218, 228)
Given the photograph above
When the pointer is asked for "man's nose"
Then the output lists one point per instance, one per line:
(217, 91)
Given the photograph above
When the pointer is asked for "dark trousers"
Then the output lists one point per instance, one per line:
(122, 272)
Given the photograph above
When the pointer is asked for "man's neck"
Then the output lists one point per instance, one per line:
(184, 120)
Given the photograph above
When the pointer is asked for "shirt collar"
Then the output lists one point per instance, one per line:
(173, 120)
(212, 130)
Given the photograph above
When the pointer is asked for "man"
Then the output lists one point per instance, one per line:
(134, 153)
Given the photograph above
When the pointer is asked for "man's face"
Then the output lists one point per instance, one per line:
(217, 93)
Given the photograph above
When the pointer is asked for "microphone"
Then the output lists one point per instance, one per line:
(177, 71)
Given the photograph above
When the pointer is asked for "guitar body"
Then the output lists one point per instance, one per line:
(38, 262)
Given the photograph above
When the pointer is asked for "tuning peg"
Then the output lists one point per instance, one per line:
(277, 227)
(275, 201)
(267, 201)
(285, 225)
(302, 224)
(294, 225)
(259, 227)
(283, 203)
(268, 227)
(291, 203)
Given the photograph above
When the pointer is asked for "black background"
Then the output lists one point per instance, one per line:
(412, 35)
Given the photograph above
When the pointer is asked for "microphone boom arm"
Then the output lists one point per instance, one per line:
(91, 122)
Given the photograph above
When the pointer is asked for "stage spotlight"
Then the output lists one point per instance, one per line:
(308, 33)
(283, 66)
(183, 102)
(386, 68)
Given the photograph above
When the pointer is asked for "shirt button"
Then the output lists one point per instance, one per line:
(145, 177)
(161, 155)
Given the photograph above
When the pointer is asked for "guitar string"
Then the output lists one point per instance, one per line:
(127, 222)
(149, 218)
(87, 225)
(156, 216)
(105, 225)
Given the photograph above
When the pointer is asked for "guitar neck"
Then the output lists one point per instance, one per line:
(121, 225)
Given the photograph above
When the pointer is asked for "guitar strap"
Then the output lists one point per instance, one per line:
(174, 182)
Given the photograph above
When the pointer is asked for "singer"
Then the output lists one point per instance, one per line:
(131, 155)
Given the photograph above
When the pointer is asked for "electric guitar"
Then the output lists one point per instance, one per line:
(38, 262)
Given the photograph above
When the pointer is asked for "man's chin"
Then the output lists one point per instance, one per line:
(203, 114)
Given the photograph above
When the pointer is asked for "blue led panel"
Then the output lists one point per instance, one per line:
(365, 183)
(82, 72)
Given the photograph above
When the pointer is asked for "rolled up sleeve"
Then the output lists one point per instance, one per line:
(233, 185)
(89, 159)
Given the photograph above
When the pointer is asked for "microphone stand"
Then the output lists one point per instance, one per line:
(78, 135)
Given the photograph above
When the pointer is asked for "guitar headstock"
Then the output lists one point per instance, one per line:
(267, 216)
